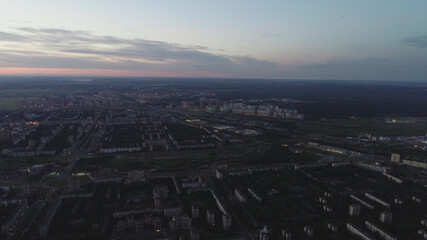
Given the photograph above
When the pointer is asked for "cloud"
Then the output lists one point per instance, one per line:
(251, 62)
(417, 41)
(61, 48)
(364, 69)
(6, 37)
(49, 48)
(271, 35)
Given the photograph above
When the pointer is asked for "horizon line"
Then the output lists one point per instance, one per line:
(204, 78)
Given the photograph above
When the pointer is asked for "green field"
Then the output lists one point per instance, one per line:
(10, 98)
(9, 103)
(12, 163)
(355, 126)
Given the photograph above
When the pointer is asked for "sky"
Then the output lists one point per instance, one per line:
(310, 39)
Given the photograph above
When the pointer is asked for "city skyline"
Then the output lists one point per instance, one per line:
(240, 39)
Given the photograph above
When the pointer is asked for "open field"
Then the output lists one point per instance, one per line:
(10, 98)
(339, 127)
(9, 103)
(163, 162)
(11, 163)
(355, 126)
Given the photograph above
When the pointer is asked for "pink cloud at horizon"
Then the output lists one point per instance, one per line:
(104, 72)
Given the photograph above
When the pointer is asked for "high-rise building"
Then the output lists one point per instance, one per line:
(219, 174)
(354, 210)
(210, 217)
(309, 231)
(160, 193)
(386, 217)
(395, 157)
(187, 104)
(239, 195)
(286, 234)
(226, 221)
(195, 211)
(136, 176)
(264, 234)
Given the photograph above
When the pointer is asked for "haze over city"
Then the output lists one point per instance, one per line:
(351, 40)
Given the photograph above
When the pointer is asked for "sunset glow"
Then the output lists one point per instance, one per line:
(304, 39)
(102, 72)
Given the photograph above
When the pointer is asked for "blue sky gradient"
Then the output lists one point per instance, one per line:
(366, 40)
